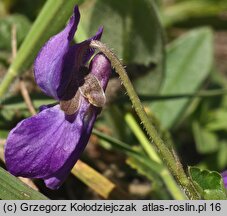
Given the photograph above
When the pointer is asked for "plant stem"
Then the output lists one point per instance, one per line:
(50, 20)
(22, 84)
(150, 150)
(163, 150)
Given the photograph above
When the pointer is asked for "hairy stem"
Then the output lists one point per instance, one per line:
(163, 150)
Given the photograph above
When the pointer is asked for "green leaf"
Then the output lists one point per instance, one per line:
(145, 170)
(139, 161)
(22, 26)
(17, 102)
(2, 9)
(218, 119)
(221, 154)
(129, 151)
(186, 10)
(189, 61)
(206, 141)
(4, 60)
(3, 134)
(132, 28)
(12, 188)
(209, 183)
(51, 20)
(26, 7)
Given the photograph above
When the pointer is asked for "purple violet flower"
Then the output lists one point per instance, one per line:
(48, 144)
(224, 177)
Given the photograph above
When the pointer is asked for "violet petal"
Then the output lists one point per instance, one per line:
(49, 62)
(224, 177)
(49, 144)
(40, 145)
(57, 178)
(100, 67)
(77, 56)
(57, 63)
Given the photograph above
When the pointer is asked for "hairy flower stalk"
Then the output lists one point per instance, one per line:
(174, 166)
(48, 144)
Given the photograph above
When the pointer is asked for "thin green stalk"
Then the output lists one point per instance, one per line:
(185, 10)
(200, 94)
(51, 19)
(121, 146)
(149, 149)
(130, 152)
(164, 173)
(163, 150)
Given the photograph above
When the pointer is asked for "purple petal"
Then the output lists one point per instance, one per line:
(55, 181)
(39, 146)
(49, 62)
(49, 144)
(224, 177)
(58, 63)
(101, 68)
(77, 56)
